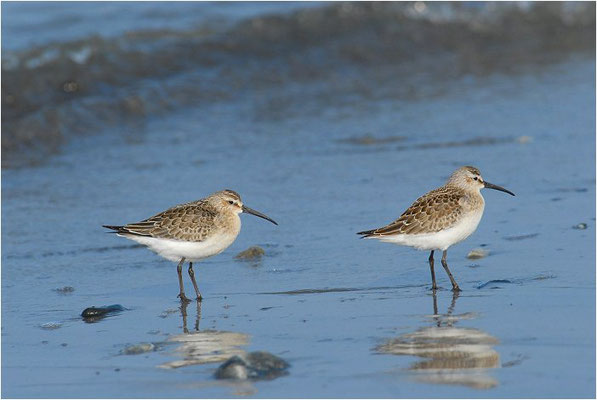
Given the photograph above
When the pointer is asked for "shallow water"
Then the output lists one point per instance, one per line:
(354, 318)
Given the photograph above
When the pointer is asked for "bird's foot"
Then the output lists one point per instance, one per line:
(456, 289)
(183, 298)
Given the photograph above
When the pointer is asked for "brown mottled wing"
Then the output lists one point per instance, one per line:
(189, 222)
(436, 210)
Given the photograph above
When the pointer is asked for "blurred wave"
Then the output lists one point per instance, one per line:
(283, 64)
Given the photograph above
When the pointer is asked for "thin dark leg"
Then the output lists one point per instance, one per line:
(434, 285)
(179, 270)
(192, 275)
(455, 287)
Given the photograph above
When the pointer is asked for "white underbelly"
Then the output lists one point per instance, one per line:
(439, 240)
(175, 250)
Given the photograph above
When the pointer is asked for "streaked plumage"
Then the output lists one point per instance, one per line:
(191, 231)
(440, 218)
(190, 222)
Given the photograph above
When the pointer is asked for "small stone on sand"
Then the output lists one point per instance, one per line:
(51, 325)
(94, 314)
(138, 348)
(252, 253)
(255, 365)
(475, 254)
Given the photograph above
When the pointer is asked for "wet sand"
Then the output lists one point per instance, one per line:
(320, 298)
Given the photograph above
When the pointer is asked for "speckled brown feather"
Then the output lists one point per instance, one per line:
(191, 222)
(439, 209)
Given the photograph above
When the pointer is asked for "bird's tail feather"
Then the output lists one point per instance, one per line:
(115, 228)
(366, 234)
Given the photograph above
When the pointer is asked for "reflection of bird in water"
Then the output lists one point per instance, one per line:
(452, 355)
(202, 347)
(183, 311)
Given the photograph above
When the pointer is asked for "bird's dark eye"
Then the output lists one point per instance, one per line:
(230, 202)
(475, 178)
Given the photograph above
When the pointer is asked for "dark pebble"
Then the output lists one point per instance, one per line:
(255, 366)
(93, 314)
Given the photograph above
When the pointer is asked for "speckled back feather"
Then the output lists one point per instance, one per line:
(190, 222)
(439, 209)
(193, 221)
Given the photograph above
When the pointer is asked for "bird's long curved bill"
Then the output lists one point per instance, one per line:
(257, 213)
(496, 187)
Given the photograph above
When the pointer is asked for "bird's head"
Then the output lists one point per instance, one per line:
(230, 200)
(469, 178)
